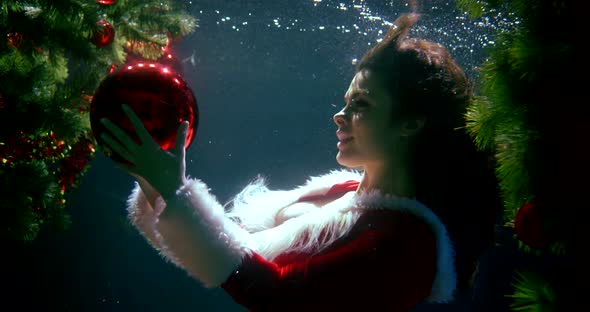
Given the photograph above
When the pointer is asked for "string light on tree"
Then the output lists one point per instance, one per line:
(25, 147)
(75, 164)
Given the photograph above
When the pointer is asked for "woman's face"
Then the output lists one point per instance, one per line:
(366, 132)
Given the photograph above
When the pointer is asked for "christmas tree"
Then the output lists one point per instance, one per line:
(526, 113)
(55, 55)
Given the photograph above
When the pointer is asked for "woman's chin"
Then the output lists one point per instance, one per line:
(346, 161)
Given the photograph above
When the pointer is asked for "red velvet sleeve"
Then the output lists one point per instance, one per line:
(386, 263)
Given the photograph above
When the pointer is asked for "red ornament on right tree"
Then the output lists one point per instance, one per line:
(529, 225)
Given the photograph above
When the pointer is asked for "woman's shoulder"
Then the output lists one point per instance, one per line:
(410, 223)
(393, 224)
(399, 211)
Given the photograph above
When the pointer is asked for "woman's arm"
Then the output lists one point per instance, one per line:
(190, 229)
(194, 228)
(178, 216)
(143, 215)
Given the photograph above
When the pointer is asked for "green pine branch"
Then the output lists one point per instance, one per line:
(508, 116)
(533, 293)
(526, 69)
(49, 68)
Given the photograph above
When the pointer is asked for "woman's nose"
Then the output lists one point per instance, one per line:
(340, 118)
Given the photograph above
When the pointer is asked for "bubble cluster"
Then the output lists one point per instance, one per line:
(364, 19)
(366, 22)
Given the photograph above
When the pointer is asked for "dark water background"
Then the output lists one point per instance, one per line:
(268, 76)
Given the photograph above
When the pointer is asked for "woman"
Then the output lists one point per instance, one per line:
(406, 229)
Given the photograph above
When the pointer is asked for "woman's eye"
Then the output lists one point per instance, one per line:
(361, 103)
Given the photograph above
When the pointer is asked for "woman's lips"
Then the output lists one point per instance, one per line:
(343, 142)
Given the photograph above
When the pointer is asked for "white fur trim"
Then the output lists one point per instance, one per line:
(256, 206)
(309, 232)
(143, 216)
(193, 232)
(207, 244)
(321, 184)
(445, 282)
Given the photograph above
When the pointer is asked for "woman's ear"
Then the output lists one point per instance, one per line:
(412, 126)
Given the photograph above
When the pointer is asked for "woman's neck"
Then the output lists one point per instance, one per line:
(388, 179)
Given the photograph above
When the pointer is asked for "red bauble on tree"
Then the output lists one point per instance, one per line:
(2, 103)
(159, 96)
(529, 225)
(106, 2)
(15, 39)
(105, 34)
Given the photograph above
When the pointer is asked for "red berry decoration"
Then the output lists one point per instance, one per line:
(105, 35)
(106, 2)
(161, 98)
(529, 225)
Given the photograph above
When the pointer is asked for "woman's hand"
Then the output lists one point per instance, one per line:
(164, 170)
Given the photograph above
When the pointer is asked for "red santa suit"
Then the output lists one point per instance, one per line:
(368, 252)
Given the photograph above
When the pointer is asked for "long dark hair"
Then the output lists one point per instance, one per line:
(451, 176)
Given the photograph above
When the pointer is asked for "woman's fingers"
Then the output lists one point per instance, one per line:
(118, 147)
(179, 147)
(118, 134)
(132, 170)
(148, 160)
(142, 133)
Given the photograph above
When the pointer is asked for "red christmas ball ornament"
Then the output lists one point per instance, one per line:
(160, 97)
(529, 225)
(106, 2)
(2, 102)
(15, 39)
(105, 35)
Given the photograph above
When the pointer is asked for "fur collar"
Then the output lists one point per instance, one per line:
(445, 281)
(257, 206)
